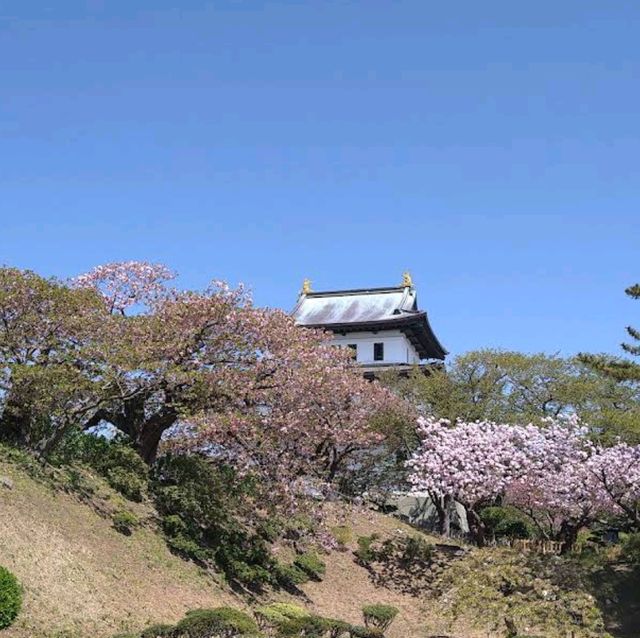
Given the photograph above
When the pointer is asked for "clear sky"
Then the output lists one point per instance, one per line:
(492, 148)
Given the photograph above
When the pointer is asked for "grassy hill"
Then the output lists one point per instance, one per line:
(83, 578)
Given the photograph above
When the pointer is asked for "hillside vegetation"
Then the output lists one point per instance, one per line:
(82, 577)
(188, 458)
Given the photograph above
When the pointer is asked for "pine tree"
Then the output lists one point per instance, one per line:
(620, 369)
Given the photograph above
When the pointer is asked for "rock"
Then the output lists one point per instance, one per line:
(5, 481)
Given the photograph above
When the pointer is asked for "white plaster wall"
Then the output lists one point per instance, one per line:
(397, 348)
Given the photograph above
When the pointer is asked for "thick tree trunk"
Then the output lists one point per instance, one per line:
(145, 433)
(477, 528)
(15, 422)
(147, 441)
(568, 535)
(442, 505)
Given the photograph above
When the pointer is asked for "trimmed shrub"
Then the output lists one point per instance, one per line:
(288, 610)
(311, 565)
(337, 628)
(357, 631)
(507, 522)
(276, 615)
(379, 616)
(10, 597)
(309, 627)
(158, 631)
(221, 621)
(125, 522)
(290, 575)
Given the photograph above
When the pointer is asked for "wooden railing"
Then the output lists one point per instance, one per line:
(537, 546)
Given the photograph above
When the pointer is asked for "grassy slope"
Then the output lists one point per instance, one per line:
(81, 577)
(347, 586)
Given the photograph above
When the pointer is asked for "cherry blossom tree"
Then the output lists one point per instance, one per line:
(559, 491)
(225, 375)
(554, 473)
(126, 284)
(473, 463)
(616, 470)
(301, 412)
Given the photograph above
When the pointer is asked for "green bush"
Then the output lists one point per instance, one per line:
(289, 575)
(158, 631)
(114, 459)
(336, 628)
(308, 626)
(10, 597)
(278, 616)
(631, 548)
(124, 522)
(507, 522)
(254, 576)
(189, 548)
(365, 553)
(222, 621)
(173, 525)
(379, 616)
(205, 509)
(357, 631)
(416, 548)
(287, 610)
(126, 482)
(311, 564)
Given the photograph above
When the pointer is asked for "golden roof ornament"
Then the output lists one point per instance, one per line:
(306, 286)
(407, 282)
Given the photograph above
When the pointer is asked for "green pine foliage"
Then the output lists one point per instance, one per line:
(222, 621)
(621, 369)
(206, 518)
(158, 631)
(10, 598)
(379, 616)
(311, 564)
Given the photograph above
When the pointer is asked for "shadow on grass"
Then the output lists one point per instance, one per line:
(617, 591)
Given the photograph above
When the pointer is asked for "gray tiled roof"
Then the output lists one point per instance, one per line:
(354, 306)
(370, 309)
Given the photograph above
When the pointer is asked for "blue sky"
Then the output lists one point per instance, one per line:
(492, 148)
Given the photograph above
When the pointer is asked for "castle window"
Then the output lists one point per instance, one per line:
(354, 349)
(378, 351)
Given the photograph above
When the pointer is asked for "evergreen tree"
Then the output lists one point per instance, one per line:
(617, 368)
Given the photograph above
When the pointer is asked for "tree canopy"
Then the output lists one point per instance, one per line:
(512, 387)
(204, 370)
(625, 370)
